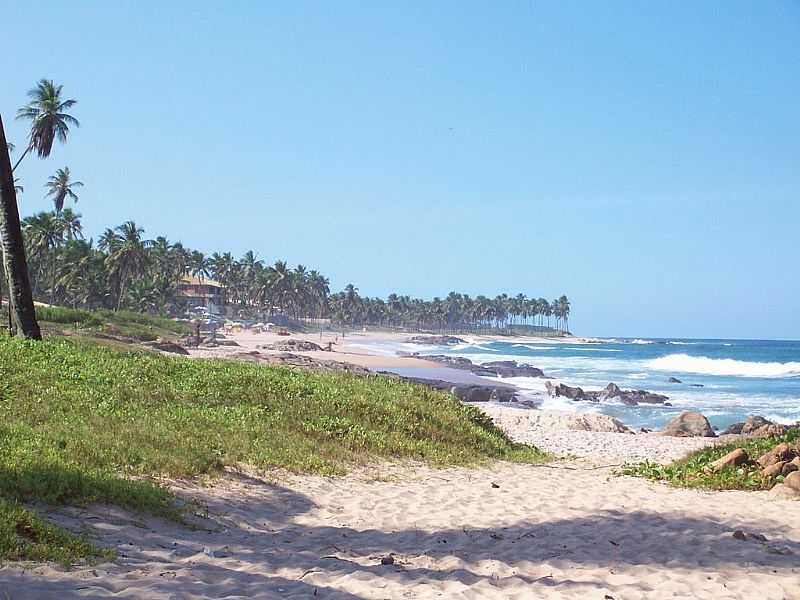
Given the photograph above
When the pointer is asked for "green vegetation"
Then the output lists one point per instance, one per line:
(84, 423)
(694, 471)
(125, 324)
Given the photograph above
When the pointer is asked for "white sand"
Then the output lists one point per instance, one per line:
(556, 531)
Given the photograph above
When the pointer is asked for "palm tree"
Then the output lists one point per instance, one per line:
(71, 224)
(127, 255)
(15, 264)
(60, 187)
(49, 119)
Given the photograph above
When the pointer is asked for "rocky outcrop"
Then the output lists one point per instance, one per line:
(511, 368)
(500, 368)
(464, 392)
(561, 389)
(674, 380)
(611, 392)
(689, 424)
(436, 340)
(166, 346)
(732, 459)
(780, 453)
(756, 426)
(291, 345)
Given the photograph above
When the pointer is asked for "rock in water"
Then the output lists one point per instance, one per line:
(436, 340)
(674, 380)
(689, 424)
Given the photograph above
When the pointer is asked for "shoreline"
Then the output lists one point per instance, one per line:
(560, 432)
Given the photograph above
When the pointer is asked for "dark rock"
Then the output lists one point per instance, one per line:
(739, 535)
(689, 424)
(674, 380)
(500, 368)
(696, 385)
(291, 346)
(560, 389)
(387, 560)
(436, 340)
(734, 429)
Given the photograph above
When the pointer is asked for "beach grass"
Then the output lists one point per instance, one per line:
(84, 423)
(124, 324)
(694, 471)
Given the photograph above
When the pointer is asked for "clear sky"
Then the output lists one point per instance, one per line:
(641, 158)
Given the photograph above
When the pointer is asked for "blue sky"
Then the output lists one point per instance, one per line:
(641, 158)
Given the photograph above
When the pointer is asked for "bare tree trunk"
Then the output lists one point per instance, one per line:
(16, 267)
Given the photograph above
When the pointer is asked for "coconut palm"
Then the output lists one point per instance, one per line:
(60, 187)
(49, 120)
(127, 256)
(15, 264)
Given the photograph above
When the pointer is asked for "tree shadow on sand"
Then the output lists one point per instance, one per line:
(253, 536)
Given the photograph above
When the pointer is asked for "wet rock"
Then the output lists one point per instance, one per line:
(387, 560)
(560, 389)
(511, 368)
(689, 424)
(500, 368)
(436, 340)
(739, 535)
(674, 380)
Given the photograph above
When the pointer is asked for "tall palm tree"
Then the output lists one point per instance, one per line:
(49, 120)
(71, 224)
(60, 187)
(127, 255)
(15, 263)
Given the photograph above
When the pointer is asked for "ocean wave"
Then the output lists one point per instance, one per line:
(639, 341)
(533, 347)
(674, 343)
(593, 349)
(703, 365)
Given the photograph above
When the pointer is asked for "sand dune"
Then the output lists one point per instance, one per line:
(557, 531)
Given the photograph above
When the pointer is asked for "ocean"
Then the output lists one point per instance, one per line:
(738, 377)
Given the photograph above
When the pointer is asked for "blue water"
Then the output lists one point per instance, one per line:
(739, 377)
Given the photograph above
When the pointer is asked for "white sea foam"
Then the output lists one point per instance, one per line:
(638, 341)
(684, 363)
(593, 349)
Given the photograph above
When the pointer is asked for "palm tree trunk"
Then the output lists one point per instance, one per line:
(16, 266)
(24, 154)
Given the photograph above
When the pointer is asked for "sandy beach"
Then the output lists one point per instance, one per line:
(506, 531)
(568, 529)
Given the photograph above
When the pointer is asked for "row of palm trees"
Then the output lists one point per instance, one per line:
(124, 269)
(127, 270)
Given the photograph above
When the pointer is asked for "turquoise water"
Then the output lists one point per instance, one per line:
(739, 377)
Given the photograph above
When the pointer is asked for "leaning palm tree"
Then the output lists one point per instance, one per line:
(49, 119)
(15, 264)
(60, 187)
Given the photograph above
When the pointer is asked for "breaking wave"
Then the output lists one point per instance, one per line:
(684, 363)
